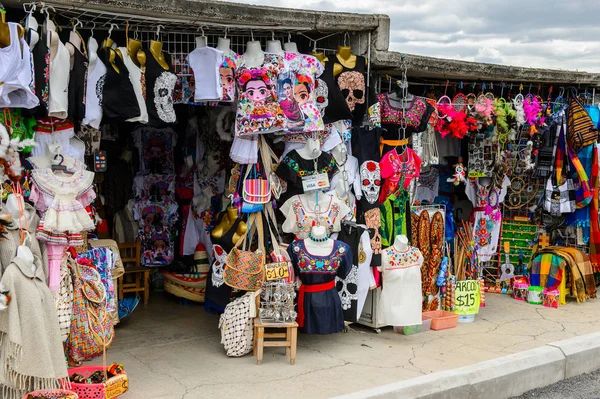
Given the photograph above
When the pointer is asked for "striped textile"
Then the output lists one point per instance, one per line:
(594, 224)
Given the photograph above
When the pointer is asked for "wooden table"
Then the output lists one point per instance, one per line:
(274, 339)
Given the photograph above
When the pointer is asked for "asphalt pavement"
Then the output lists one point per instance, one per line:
(585, 386)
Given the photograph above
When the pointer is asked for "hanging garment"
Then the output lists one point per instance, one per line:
(155, 147)
(244, 150)
(103, 261)
(160, 84)
(227, 72)
(398, 170)
(330, 100)
(94, 87)
(400, 301)
(319, 305)
(206, 63)
(184, 190)
(156, 230)
(41, 63)
(58, 103)
(50, 132)
(16, 73)
(22, 128)
(119, 102)
(428, 185)
(353, 85)
(77, 85)
(258, 110)
(125, 228)
(32, 351)
(301, 213)
(138, 81)
(395, 217)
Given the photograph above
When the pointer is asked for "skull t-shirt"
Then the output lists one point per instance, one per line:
(353, 85)
(160, 85)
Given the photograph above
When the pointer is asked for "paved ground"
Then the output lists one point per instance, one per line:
(173, 351)
(585, 386)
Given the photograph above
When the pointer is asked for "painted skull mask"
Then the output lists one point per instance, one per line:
(370, 176)
(322, 96)
(352, 85)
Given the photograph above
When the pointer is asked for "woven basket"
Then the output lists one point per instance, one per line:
(52, 394)
(196, 295)
(191, 280)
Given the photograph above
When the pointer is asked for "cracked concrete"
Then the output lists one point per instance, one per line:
(172, 350)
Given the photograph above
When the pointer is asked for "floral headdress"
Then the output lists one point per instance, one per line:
(254, 74)
(228, 63)
(304, 79)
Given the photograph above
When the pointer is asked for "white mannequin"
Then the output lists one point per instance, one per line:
(92, 52)
(340, 153)
(274, 47)
(73, 43)
(290, 47)
(32, 23)
(254, 55)
(321, 248)
(312, 149)
(201, 41)
(224, 44)
(401, 243)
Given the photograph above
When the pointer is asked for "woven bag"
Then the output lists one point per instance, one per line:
(581, 130)
(244, 269)
(64, 300)
(236, 327)
(257, 190)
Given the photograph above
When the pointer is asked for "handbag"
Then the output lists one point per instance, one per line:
(583, 191)
(559, 198)
(256, 190)
(279, 254)
(244, 269)
(581, 130)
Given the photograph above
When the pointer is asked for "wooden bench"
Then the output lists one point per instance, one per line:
(287, 339)
(130, 256)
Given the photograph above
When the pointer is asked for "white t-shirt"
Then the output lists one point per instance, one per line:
(60, 67)
(205, 62)
(135, 76)
(94, 88)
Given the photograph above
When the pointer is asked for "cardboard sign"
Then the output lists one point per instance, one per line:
(116, 386)
(276, 271)
(320, 181)
(467, 297)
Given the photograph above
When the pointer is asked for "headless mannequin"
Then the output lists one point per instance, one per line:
(320, 56)
(108, 44)
(5, 31)
(157, 53)
(320, 248)
(92, 52)
(401, 243)
(201, 41)
(340, 153)
(74, 43)
(274, 47)
(133, 49)
(223, 45)
(15, 205)
(344, 57)
(291, 47)
(254, 55)
(312, 149)
(53, 38)
(231, 214)
(32, 25)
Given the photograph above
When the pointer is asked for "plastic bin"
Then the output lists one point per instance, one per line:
(426, 326)
(442, 319)
(52, 393)
(112, 388)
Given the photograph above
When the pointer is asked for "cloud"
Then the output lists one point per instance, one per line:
(529, 33)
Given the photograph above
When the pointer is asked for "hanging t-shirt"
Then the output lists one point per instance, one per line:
(58, 100)
(227, 71)
(41, 63)
(205, 62)
(155, 147)
(353, 85)
(157, 237)
(296, 93)
(155, 186)
(138, 83)
(398, 169)
(301, 212)
(330, 100)
(119, 102)
(77, 85)
(258, 110)
(94, 90)
(428, 185)
(160, 85)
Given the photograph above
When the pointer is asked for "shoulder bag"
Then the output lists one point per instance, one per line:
(581, 130)
(560, 198)
(244, 269)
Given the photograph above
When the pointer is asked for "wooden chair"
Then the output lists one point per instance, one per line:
(287, 339)
(130, 256)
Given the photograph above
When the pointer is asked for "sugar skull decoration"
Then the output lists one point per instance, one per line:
(370, 176)
(321, 96)
(352, 85)
(348, 288)
(163, 96)
(218, 266)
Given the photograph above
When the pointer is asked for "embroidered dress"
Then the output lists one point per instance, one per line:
(319, 305)
(487, 215)
(395, 217)
(428, 185)
(398, 170)
(296, 93)
(258, 110)
(400, 302)
(300, 214)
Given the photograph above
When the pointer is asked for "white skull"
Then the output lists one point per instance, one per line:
(348, 288)
(218, 266)
(322, 96)
(163, 96)
(370, 176)
(352, 85)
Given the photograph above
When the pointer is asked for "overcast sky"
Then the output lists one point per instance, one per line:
(533, 33)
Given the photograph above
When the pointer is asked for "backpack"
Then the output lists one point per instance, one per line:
(237, 327)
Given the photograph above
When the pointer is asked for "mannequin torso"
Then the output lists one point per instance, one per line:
(401, 243)
(254, 56)
(73, 45)
(320, 56)
(290, 47)
(227, 223)
(32, 24)
(340, 153)
(312, 149)
(224, 46)
(201, 41)
(274, 47)
(319, 248)
(344, 57)
(157, 53)
(133, 48)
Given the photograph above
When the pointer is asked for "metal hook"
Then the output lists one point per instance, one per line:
(46, 8)
(289, 36)
(135, 34)
(76, 23)
(251, 35)
(346, 36)
(225, 37)
(112, 26)
(201, 29)
(158, 31)
(273, 35)
(93, 27)
(31, 10)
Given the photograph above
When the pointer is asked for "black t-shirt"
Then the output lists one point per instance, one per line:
(337, 108)
(348, 287)
(353, 84)
(77, 86)
(160, 84)
(119, 102)
(41, 66)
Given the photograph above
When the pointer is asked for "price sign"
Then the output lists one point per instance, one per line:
(467, 297)
(319, 181)
(116, 386)
(276, 271)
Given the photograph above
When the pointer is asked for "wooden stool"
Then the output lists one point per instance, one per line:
(130, 256)
(290, 337)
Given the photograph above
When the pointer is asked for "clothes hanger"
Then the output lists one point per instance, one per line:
(60, 166)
